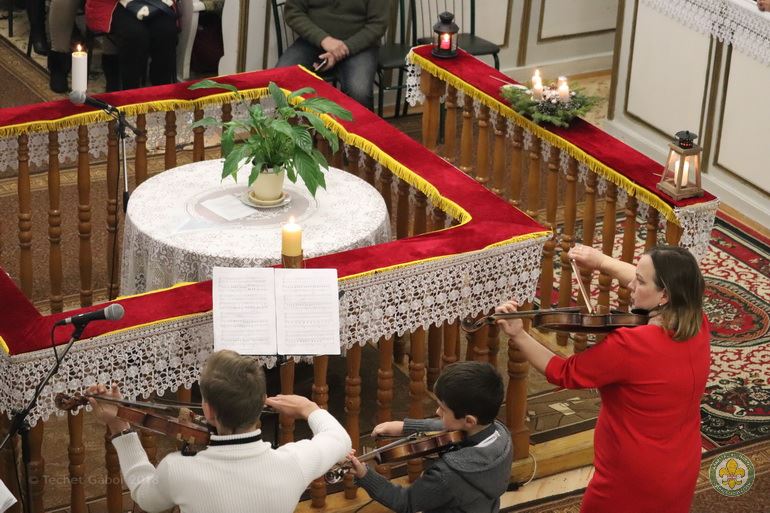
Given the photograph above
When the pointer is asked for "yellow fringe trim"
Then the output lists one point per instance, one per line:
(573, 151)
(4, 346)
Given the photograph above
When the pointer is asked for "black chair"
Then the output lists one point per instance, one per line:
(285, 35)
(392, 56)
(426, 14)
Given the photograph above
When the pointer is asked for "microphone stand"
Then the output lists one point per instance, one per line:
(120, 131)
(19, 422)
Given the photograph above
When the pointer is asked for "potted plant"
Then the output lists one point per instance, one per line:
(277, 142)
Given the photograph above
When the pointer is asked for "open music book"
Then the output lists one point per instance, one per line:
(266, 311)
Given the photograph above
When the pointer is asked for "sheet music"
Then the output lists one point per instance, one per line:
(6, 497)
(244, 310)
(307, 311)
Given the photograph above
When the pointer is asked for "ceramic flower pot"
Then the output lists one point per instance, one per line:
(268, 186)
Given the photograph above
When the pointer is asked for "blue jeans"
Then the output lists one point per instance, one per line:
(355, 74)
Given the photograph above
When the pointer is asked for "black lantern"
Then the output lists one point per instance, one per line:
(445, 36)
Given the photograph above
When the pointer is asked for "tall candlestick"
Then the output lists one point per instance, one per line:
(291, 239)
(564, 92)
(79, 70)
(537, 91)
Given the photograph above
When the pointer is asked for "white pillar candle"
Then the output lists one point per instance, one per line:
(536, 79)
(561, 80)
(684, 177)
(291, 239)
(79, 70)
(537, 91)
(564, 92)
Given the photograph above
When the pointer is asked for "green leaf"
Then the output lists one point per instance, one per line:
(278, 96)
(300, 92)
(290, 173)
(256, 168)
(282, 127)
(228, 141)
(308, 169)
(207, 121)
(212, 84)
(302, 138)
(319, 126)
(319, 158)
(321, 105)
(233, 160)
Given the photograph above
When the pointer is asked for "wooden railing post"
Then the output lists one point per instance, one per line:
(36, 468)
(286, 424)
(114, 478)
(416, 391)
(432, 88)
(546, 272)
(533, 179)
(608, 240)
(498, 157)
(567, 239)
(651, 239)
(450, 125)
(321, 398)
(84, 217)
(629, 247)
(198, 134)
(25, 217)
(169, 160)
(112, 211)
(385, 389)
(77, 456)
(673, 233)
(589, 228)
(54, 222)
(466, 136)
(482, 146)
(516, 401)
(402, 210)
(353, 409)
(517, 155)
(140, 159)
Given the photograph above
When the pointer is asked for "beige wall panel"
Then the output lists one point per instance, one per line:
(573, 17)
(743, 143)
(669, 68)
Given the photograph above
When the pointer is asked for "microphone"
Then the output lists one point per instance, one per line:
(111, 313)
(80, 98)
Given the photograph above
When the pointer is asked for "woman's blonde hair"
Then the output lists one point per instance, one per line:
(677, 271)
(234, 386)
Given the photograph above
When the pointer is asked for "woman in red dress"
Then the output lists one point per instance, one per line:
(647, 445)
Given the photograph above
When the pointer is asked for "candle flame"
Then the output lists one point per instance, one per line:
(291, 220)
(79, 48)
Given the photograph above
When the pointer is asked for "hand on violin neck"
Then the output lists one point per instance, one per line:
(294, 406)
(107, 412)
(359, 469)
(511, 327)
(391, 428)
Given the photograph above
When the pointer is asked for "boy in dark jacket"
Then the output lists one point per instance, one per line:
(469, 479)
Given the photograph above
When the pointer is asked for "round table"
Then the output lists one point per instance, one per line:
(185, 221)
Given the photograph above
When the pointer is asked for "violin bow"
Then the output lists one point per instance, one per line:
(583, 292)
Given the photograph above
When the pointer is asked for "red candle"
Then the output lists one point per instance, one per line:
(445, 42)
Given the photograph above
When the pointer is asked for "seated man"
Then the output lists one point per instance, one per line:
(238, 471)
(343, 34)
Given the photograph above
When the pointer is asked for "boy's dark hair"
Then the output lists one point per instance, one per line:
(234, 386)
(471, 388)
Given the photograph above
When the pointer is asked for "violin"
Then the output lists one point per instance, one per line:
(413, 446)
(575, 319)
(188, 428)
(571, 319)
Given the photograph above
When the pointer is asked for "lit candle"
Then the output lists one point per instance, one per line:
(564, 92)
(291, 239)
(537, 91)
(79, 70)
(445, 42)
(560, 81)
(536, 79)
(684, 177)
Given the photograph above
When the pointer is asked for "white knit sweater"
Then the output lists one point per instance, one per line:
(240, 478)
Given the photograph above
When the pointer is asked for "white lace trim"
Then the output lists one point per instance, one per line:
(734, 22)
(696, 222)
(169, 354)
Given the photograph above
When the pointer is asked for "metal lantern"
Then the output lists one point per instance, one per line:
(681, 175)
(445, 36)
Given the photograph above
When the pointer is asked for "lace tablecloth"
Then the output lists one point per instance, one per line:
(187, 240)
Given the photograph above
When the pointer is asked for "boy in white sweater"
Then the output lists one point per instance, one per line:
(237, 471)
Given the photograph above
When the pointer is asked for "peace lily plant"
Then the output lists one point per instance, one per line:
(279, 141)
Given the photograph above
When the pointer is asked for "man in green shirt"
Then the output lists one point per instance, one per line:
(340, 34)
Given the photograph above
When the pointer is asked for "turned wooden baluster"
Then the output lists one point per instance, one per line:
(84, 217)
(516, 401)
(321, 398)
(169, 154)
(478, 345)
(651, 240)
(533, 179)
(25, 217)
(498, 158)
(517, 157)
(493, 343)
(386, 189)
(466, 136)
(608, 240)
(354, 161)
(286, 424)
(402, 210)
(432, 88)
(482, 146)
(76, 452)
(420, 214)
(450, 125)
(629, 247)
(140, 159)
(114, 478)
(198, 134)
(567, 239)
(416, 391)
(385, 391)
(546, 275)
(54, 222)
(589, 228)
(435, 333)
(8, 467)
(370, 171)
(673, 233)
(36, 468)
(353, 409)
(112, 210)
